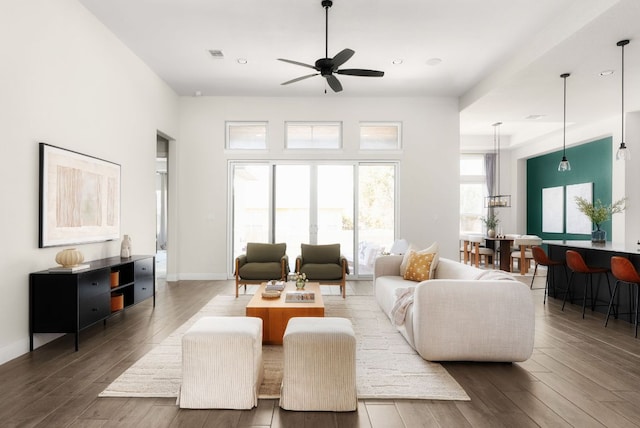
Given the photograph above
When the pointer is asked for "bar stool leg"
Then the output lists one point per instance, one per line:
(588, 285)
(615, 307)
(637, 289)
(534, 276)
(564, 300)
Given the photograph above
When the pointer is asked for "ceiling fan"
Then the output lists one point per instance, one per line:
(326, 67)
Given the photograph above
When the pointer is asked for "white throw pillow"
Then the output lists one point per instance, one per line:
(433, 248)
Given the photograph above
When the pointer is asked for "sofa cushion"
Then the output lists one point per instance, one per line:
(419, 266)
(322, 271)
(321, 254)
(451, 269)
(385, 291)
(266, 271)
(260, 252)
(433, 248)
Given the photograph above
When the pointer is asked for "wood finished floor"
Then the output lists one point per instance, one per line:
(581, 374)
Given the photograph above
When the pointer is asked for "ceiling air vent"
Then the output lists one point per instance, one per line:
(216, 53)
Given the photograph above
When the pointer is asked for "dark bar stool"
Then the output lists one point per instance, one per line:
(624, 271)
(541, 259)
(576, 263)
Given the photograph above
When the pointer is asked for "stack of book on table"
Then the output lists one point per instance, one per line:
(275, 286)
(301, 296)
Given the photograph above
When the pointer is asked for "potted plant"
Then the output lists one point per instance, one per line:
(491, 222)
(598, 214)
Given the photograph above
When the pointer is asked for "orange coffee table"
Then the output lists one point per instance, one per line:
(275, 313)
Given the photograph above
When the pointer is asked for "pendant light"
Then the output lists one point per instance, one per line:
(623, 152)
(498, 200)
(564, 163)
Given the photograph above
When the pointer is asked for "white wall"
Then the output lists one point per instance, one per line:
(67, 81)
(429, 171)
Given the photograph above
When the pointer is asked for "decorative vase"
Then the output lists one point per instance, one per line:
(125, 248)
(491, 233)
(300, 285)
(69, 257)
(599, 236)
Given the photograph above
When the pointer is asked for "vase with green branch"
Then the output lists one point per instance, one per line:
(491, 222)
(598, 213)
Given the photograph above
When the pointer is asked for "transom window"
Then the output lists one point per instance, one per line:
(313, 135)
(380, 135)
(246, 135)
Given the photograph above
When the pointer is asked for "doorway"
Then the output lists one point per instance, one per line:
(162, 204)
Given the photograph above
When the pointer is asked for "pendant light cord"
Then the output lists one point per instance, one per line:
(622, 103)
(564, 119)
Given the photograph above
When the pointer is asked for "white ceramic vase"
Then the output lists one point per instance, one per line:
(69, 257)
(125, 248)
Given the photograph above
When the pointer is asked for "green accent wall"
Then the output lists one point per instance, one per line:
(590, 163)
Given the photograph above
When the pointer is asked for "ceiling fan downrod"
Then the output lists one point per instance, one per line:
(326, 4)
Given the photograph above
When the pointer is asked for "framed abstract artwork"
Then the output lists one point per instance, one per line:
(553, 209)
(577, 222)
(79, 198)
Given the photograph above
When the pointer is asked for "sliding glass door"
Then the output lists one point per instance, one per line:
(348, 203)
(251, 206)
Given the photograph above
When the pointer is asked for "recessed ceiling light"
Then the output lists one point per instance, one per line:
(534, 116)
(397, 61)
(434, 61)
(242, 60)
(216, 53)
(606, 72)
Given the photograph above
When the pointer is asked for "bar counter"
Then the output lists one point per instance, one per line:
(597, 255)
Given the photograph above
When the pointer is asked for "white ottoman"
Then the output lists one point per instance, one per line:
(319, 365)
(222, 363)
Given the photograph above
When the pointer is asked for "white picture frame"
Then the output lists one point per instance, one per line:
(79, 198)
(578, 222)
(553, 209)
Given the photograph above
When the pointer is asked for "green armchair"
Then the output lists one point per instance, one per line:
(261, 263)
(323, 264)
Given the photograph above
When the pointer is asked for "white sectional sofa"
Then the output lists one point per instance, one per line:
(461, 314)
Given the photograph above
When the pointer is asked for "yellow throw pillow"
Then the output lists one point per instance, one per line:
(419, 266)
(433, 248)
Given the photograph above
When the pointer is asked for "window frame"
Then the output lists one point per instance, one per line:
(231, 123)
(312, 124)
(397, 125)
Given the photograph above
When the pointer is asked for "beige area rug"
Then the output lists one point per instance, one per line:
(387, 367)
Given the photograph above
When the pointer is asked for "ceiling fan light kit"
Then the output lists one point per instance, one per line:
(327, 67)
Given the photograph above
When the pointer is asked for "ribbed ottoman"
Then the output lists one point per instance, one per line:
(319, 365)
(222, 363)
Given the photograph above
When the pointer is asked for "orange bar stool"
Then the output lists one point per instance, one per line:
(541, 259)
(576, 264)
(624, 271)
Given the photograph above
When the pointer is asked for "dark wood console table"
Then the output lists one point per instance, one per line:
(70, 302)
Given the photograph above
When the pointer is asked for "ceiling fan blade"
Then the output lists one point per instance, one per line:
(334, 83)
(342, 57)
(297, 79)
(360, 72)
(297, 63)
